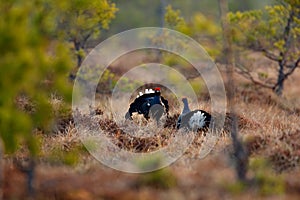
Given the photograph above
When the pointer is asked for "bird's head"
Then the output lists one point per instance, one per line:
(157, 89)
(184, 100)
(186, 108)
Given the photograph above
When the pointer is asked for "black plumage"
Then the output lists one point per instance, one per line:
(149, 104)
(193, 120)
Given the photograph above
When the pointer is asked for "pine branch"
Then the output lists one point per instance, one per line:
(292, 68)
(248, 75)
(270, 55)
(267, 53)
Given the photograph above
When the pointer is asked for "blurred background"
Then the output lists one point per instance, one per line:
(255, 45)
(151, 14)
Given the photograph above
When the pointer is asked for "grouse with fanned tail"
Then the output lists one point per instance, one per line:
(193, 120)
(151, 103)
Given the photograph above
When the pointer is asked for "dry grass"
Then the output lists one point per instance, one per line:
(269, 128)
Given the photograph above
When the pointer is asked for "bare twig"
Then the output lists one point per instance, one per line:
(248, 75)
(270, 55)
(293, 67)
(85, 38)
(290, 72)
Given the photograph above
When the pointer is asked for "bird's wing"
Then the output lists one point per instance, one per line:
(166, 104)
(178, 124)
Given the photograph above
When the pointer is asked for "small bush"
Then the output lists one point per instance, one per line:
(162, 178)
(265, 180)
(71, 157)
(236, 188)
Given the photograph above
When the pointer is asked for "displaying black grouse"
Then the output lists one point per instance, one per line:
(193, 120)
(151, 103)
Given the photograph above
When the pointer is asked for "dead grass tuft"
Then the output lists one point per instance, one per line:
(285, 154)
(171, 121)
(133, 143)
(243, 123)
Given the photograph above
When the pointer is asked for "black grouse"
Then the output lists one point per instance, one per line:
(150, 103)
(193, 120)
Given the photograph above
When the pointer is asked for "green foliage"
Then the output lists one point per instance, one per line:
(235, 5)
(36, 59)
(236, 188)
(149, 163)
(197, 85)
(129, 85)
(134, 14)
(262, 75)
(266, 180)
(32, 66)
(107, 81)
(90, 145)
(63, 111)
(70, 157)
(170, 60)
(162, 178)
(275, 32)
(173, 18)
(267, 28)
(80, 20)
(204, 30)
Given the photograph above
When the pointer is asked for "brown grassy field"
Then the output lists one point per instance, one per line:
(268, 127)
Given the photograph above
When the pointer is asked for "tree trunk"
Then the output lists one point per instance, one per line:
(283, 54)
(28, 168)
(163, 5)
(279, 85)
(78, 48)
(240, 155)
